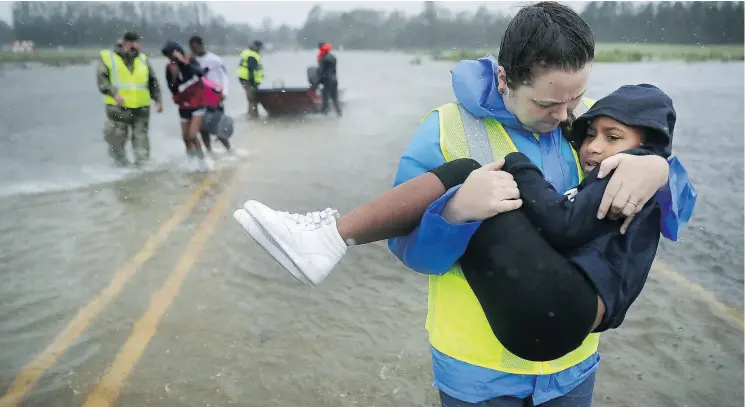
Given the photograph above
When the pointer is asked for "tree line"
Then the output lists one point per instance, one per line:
(695, 22)
(99, 23)
(678, 22)
(434, 27)
(6, 33)
(81, 24)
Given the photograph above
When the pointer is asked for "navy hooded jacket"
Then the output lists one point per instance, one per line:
(186, 72)
(616, 264)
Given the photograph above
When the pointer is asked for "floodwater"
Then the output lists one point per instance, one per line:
(144, 292)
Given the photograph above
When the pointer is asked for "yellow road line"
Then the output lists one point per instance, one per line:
(724, 310)
(29, 375)
(109, 388)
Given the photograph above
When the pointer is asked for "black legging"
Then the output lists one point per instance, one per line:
(539, 305)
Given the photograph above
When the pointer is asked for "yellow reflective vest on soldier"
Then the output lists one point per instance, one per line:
(132, 85)
(243, 67)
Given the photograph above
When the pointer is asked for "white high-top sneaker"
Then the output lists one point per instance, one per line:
(308, 246)
(208, 164)
(192, 164)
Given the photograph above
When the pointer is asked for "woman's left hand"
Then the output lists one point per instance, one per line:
(636, 180)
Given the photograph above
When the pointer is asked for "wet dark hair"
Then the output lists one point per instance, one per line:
(130, 36)
(546, 35)
(196, 40)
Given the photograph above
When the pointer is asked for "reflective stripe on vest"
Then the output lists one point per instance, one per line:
(455, 320)
(583, 107)
(132, 86)
(243, 67)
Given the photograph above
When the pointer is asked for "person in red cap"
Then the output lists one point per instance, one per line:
(327, 77)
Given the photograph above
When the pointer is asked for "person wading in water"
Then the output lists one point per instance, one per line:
(183, 75)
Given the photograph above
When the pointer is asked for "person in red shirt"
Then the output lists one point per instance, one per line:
(183, 75)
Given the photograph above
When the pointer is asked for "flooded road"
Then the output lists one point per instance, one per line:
(138, 289)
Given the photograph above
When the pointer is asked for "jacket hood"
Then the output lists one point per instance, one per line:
(323, 50)
(475, 88)
(170, 47)
(640, 105)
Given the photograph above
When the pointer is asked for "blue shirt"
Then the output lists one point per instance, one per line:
(436, 245)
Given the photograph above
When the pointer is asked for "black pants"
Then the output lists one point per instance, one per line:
(538, 304)
(253, 104)
(330, 91)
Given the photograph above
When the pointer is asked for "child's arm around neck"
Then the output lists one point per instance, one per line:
(565, 221)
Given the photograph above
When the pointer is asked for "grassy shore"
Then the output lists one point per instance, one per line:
(608, 52)
(50, 57)
(625, 52)
(72, 56)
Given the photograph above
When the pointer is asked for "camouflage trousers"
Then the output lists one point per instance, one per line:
(119, 121)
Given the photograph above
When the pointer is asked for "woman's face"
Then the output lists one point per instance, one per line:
(542, 105)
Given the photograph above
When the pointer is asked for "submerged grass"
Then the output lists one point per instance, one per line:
(628, 52)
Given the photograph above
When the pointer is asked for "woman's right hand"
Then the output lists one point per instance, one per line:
(486, 193)
(178, 56)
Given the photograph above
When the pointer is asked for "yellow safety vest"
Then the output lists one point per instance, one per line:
(243, 67)
(455, 320)
(132, 86)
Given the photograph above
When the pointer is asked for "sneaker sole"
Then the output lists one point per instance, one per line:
(264, 239)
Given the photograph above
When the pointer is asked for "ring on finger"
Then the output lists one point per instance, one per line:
(628, 209)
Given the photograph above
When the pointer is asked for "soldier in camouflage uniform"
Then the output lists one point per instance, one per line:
(128, 83)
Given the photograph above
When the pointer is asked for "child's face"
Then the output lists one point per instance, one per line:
(606, 137)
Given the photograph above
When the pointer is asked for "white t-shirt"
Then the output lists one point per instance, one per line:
(216, 70)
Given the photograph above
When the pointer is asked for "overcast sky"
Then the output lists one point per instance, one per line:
(294, 12)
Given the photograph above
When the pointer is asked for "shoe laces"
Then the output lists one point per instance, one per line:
(314, 219)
